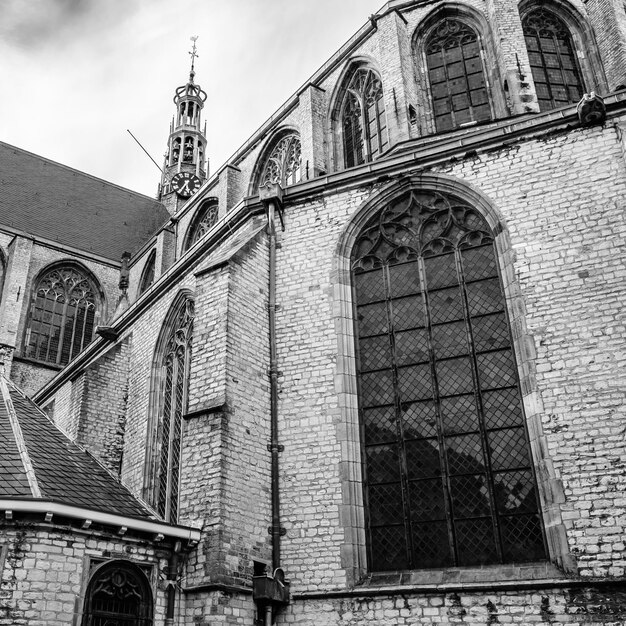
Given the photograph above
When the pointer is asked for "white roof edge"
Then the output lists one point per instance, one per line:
(56, 508)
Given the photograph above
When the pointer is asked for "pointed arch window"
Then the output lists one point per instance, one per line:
(202, 223)
(62, 315)
(363, 121)
(555, 69)
(147, 276)
(173, 376)
(282, 166)
(448, 476)
(118, 593)
(456, 74)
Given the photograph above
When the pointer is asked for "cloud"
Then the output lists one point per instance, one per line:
(41, 24)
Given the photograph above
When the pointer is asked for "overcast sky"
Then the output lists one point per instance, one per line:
(75, 74)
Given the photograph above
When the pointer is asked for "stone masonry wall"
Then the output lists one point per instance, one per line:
(45, 571)
(561, 199)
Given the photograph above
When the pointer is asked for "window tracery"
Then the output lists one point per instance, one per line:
(363, 122)
(456, 75)
(63, 315)
(118, 594)
(282, 166)
(202, 223)
(555, 70)
(174, 364)
(448, 476)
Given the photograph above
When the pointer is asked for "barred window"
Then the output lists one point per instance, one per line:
(62, 315)
(363, 122)
(456, 75)
(147, 276)
(205, 219)
(448, 476)
(553, 62)
(282, 166)
(174, 382)
(118, 593)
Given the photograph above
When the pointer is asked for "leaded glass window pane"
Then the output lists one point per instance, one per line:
(448, 475)
(282, 166)
(147, 276)
(63, 316)
(175, 375)
(203, 222)
(118, 595)
(552, 60)
(363, 121)
(456, 74)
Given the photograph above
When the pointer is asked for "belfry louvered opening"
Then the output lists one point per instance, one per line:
(448, 476)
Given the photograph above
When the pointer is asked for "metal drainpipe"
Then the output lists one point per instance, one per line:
(172, 572)
(273, 371)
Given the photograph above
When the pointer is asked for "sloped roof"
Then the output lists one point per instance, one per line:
(37, 461)
(49, 200)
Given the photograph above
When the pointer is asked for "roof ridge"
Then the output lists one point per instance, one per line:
(19, 439)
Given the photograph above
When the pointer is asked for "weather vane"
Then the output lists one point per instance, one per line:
(193, 52)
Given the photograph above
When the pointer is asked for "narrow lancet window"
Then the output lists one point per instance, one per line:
(282, 166)
(202, 223)
(363, 122)
(456, 75)
(552, 59)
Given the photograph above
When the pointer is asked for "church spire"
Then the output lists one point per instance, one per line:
(185, 161)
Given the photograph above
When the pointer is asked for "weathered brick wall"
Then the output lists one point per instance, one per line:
(101, 420)
(45, 572)
(561, 198)
(594, 606)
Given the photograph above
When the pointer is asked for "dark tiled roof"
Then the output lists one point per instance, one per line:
(55, 202)
(63, 471)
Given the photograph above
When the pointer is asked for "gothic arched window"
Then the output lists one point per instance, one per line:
(553, 61)
(118, 593)
(447, 470)
(62, 315)
(456, 75)
(202, 223)
(282, 165)
(147, 276)
(172, 380)
(362, 118)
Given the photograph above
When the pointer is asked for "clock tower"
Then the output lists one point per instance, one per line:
(184, 169)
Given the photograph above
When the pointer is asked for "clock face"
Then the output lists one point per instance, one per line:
(185, 184)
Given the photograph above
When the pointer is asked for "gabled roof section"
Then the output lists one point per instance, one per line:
(57, 203)
(38, 462)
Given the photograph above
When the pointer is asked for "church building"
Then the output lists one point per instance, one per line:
(369, 371)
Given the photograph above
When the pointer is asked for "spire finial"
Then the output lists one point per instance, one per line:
(193, 55)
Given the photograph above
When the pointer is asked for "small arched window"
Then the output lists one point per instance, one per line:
(118, 593)
(282, 165)
(362, 118)
(147, 276)
(447, 471)
(557, 76)
(456, 75)
(62, 315)
(202, 223)
(172, 378)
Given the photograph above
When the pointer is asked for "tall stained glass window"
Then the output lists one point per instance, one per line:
(363, 122)
(456, 75)
(118, 594)
(174, 364)
(282, 166)
(147, 276)
(62, 315)
(552, 59)
(448, 475)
